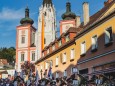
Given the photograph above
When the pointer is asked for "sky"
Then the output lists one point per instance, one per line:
(11, 12)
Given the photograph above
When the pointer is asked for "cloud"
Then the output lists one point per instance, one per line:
(11, 14)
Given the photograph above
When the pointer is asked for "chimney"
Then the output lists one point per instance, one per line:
(78, 22)
(107, 2)
(86, 12)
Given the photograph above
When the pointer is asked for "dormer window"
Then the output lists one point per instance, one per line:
(60, 43)
(67, 38)
(53, 47)
(48, 51)
(43, 54)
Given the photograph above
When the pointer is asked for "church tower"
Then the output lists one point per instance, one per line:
(25, 41)
(69, 19)
(46, 26)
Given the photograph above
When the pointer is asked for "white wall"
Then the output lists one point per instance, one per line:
(26, 39)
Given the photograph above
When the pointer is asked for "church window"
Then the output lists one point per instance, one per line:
(23, 39)
(45, 13)
(50, 10)
(33, 38)
(22, 57)
(33, 56)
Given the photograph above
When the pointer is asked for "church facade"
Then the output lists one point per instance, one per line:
(29, 40)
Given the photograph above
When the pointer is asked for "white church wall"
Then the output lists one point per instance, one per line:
(26, 39)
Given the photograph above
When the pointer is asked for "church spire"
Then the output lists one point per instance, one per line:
(68, 15)
(26, 19)
(47, 2)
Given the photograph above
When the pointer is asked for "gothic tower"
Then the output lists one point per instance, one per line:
(46, 26)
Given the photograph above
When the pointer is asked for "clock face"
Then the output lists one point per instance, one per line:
(65, 27)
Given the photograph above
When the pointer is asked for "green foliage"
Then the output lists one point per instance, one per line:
(8, 53)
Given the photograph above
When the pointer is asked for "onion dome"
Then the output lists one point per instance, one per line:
(47, 2)
(68, 15)
(26, 19)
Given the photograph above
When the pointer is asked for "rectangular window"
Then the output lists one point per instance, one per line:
(48, 51)
(23, 39)
(57, 75)
(41, 67)
(67, 38)
(94, 42)
(22, 57)
(64, 57)
(43, 54)
(83, 48)
(72, 53)
(65, 73)
(108, 35)
(60, 42)
(56, 61)
(33, 38)
(33, 56)
(46, 65)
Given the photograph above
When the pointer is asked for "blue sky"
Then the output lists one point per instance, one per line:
(11, 11)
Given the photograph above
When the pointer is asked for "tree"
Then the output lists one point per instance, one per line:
(8, 53)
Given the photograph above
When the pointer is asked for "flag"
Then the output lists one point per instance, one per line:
(15, 74)
(50, 73)
(30, 72)
(37, 78)
(42, 34)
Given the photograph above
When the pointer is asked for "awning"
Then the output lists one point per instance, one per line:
(110, 70)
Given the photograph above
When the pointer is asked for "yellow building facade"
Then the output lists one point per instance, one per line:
(88, 47)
